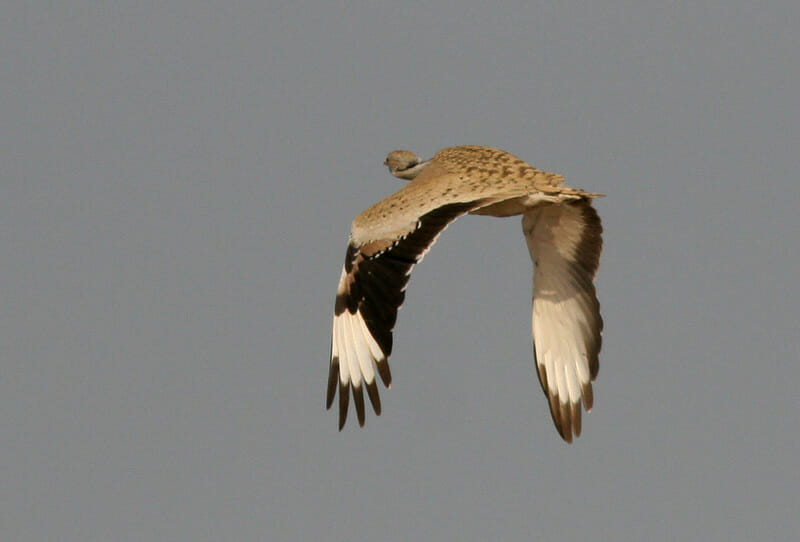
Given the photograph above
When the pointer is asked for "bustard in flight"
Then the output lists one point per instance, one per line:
(563, 234)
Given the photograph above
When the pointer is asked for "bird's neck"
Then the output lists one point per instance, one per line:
(410, 173)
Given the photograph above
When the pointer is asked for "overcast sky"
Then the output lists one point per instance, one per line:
(177, 182)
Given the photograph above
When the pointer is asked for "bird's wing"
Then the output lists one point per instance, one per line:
(371, 289)
(565, 242)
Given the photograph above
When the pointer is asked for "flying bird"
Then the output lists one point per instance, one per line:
(563, 234)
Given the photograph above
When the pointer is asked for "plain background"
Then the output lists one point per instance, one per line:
(178, 182)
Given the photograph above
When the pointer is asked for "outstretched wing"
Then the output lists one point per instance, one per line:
(564, 241)
(371, 289)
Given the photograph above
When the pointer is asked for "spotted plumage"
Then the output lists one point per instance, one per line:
(563, 234)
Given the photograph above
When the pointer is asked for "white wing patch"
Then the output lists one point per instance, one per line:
(564, 242)
(355, 353)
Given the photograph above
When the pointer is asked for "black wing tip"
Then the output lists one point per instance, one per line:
(566, 417)
(374, 397)
(566, 422)
(564, 431)
(358, 399)
(587, 394)
(594, 361)
(575, 414)
(344, 401)
(384, 372)
(333, 378)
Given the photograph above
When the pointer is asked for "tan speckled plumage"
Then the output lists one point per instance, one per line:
(455, 175)
(387, 239)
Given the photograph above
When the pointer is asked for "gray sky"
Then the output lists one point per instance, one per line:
(177, 185)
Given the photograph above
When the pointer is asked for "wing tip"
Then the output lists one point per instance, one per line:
(384, 372)
(333, 377)
(358, 399)
(567, 416)
(374, 397)
(358, 395)
(344, 401)
(587, 396)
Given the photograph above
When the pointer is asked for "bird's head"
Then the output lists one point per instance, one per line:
(404, 164)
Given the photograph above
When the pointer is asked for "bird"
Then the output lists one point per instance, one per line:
(563, 233)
